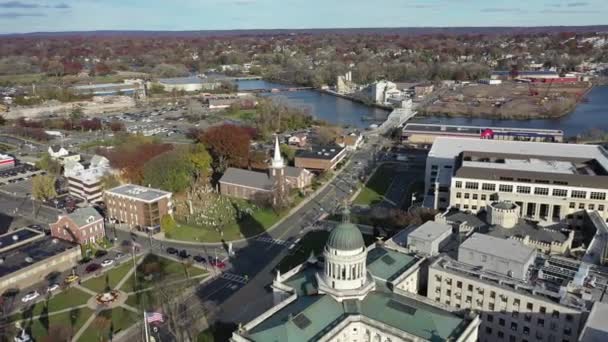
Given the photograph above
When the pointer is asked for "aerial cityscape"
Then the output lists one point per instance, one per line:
(290, 171)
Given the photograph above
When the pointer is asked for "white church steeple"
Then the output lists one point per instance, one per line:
(277, 160)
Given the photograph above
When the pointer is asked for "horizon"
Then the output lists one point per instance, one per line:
(57, 16)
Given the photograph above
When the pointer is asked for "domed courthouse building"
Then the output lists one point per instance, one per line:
(356, 293)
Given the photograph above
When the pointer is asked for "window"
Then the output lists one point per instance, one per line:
(458, 195)
(447, 166)
(505, 188)
(543, 310)
(523, 189)
(526, 330)
(458, 184)
(492, 294)
(569, 318)
(560, 182)
(469, 299)
(529, 306)
(524, 180)
(591, 207)
(512, 338)
(516, 301)
(490, 318)
(560, 192)
(513, 326)
(541, 322)
(474, 196)
(474, 207)
(467, 195)
(488, 330)
(434, 167)
(465, 207)
(501, 322)
(528, 318)
(598, 196)
(488, 187)
(491, 306)
(572, 205)
(483, 197)
(506, 178)
(541, 191)
(567, 331)
(600, 207)
(471, 185)
(459, 284)
(581, 206)
(470, 287)
(578, 194)
(448, 293)
(501, 334)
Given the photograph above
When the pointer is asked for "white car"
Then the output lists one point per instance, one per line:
(52, 287)
(30, 296)
(107, 262)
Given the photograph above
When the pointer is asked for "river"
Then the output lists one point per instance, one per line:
(335, 110)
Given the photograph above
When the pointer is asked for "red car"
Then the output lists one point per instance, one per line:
(217, 263)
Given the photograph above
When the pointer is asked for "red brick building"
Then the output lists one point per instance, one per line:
(82, 226)
(138, 206)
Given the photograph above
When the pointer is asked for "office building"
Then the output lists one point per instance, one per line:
(137, 206)
(86, 183)
(428, 238)
(547, 181)
(28, 256)
(82, 226)
(357, 293)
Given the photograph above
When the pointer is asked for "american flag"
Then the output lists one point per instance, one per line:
(152, 317)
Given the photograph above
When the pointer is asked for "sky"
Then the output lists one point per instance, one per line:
(17, 16)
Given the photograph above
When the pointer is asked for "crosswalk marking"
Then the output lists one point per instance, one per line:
(234, 277)
(271, 240)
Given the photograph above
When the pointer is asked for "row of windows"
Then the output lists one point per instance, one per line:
(523, 189)
(513, 338)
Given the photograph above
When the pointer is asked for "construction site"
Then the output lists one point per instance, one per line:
(508, 100)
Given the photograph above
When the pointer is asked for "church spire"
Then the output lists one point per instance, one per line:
(277, 160)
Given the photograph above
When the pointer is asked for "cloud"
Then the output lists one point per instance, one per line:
(501, 10)
(15, 15)
(17, 4)
(578, 4)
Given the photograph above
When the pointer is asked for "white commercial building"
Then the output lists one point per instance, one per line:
(187, 84)
(87, 183)
(429, 237)
(357, 293)
(547, 181)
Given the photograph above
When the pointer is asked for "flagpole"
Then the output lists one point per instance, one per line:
(146, 327)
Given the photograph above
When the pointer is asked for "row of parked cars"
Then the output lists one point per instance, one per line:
(183, 254)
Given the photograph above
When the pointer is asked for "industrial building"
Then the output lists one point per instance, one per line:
(425, 134)
(188, 84)
(547, 181)
(128, 87)
(320, 158)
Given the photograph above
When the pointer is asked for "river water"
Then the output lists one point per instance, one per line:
(335, 110)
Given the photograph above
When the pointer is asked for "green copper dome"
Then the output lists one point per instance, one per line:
(346, 236)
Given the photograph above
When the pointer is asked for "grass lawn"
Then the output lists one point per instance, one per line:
(245, 115)
(22, 79)
(313, 241)
(162, 269)
(66, 299)
(65, 324)
(376, 187)
(6, 147)
(257, 223)
(109, 323)
(108, 279)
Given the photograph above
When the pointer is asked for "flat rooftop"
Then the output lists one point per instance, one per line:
(9, 240)
(138, 192)
(182, 80)
(430, 231)
(386, 264)
(28, 254)
(502, 248)
(320, 152)
(438, 128)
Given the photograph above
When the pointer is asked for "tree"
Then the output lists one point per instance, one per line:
(327, 135)
(228, 145)
(287, 152)
(171, 171)
(102, 69)
(109, 181)
(168, 225)
(49, 164)
(2, 120)
(201, 161)
(76, 113)
(116, 126)
(43, 187)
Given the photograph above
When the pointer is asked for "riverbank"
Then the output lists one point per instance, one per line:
(354, 99)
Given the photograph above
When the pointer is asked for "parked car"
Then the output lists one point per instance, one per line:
(217, 263)
(71, 279)
(30, 296)
(101, 253)
(92, 268)
(200, 259)
(171, 250)
(184, 254)
(52, 288)
(107, 262)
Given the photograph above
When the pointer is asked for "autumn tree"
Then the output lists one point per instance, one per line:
(228, 145)
(287, 152)
(201, 161)
(171, 171)
(168, 225)
(48, 164)
(43, 187)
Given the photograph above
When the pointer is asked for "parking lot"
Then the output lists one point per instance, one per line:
(19, 173)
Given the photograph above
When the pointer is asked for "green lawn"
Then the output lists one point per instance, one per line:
(6, 147)
(155, 268)
(245, 115)
(108, 279)
(376, 187)
(61, 326)
(63, 300)
(257, 223)
(109, 323)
